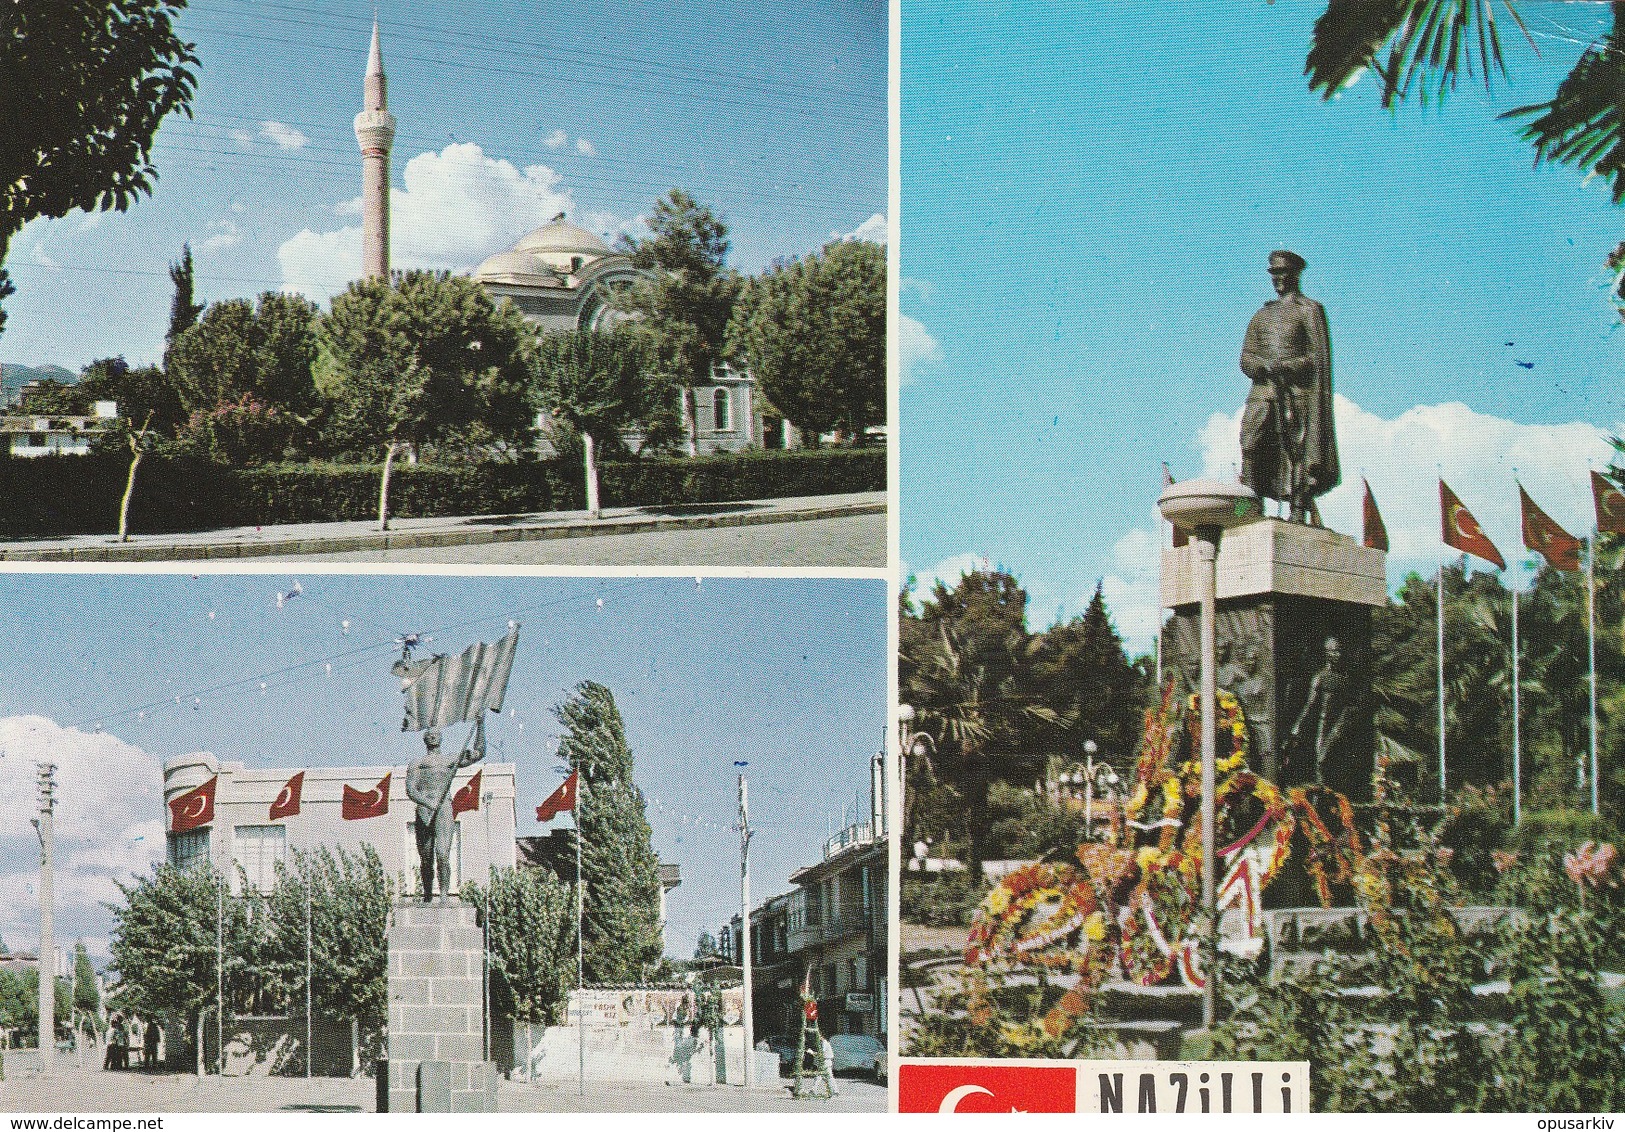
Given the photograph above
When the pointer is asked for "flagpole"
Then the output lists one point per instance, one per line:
(581, 966)
(1591, 650)
(1517, 749)
(220, 977)
(1440, 635)
(310, 1049)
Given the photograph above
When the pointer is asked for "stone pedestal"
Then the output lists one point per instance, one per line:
(1283, 590)
(436, 1013)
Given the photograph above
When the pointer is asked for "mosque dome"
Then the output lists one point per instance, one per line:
(513, 266)
(561, 237)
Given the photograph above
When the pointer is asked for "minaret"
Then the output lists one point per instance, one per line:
(375, 133)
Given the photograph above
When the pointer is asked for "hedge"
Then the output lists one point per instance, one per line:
(50, 496)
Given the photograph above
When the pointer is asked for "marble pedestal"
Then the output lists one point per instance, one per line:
(1283, 589)
(436, 1013)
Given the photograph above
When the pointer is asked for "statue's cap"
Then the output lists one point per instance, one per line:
(1290, 263)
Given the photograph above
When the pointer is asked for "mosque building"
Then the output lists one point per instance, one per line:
(561, 277)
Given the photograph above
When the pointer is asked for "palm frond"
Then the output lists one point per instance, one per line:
(1582, 124)
(1424, 45)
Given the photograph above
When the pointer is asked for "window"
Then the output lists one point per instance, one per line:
(256, 849)
(867, 890)
(720, 408)
(189, 848)
(831, 986)
(860, 973)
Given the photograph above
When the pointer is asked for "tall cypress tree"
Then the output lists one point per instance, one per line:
(621, 931)
(86, 996)
(183, 309)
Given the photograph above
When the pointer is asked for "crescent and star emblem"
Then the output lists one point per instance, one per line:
(194, 807)
(1464, 523)
(950, 1103)
(1613, 508)
(284, 799)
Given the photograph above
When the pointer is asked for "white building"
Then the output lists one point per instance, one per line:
(244, 834)
(56, 434)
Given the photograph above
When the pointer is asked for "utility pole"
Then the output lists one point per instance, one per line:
(46, 827)
(744, 922)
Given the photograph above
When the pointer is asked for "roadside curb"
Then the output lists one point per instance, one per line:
(431, 538)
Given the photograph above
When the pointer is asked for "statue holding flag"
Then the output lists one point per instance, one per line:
(440, 691)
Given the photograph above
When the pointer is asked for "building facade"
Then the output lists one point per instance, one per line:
(830, 930)
(27, 434)
(244, 834)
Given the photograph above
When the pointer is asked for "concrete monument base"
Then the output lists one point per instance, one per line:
(436, 1013)
(1283, 590)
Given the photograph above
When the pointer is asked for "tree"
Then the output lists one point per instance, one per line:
(349, 897)
(1080, 670)
(687, 295)
(529, 917)
(621, 930)
(87, 997)
(87, 84)
(183, 308)
(426, 358)
(139, 392)
(706, 947)
(1426, 45)
(598, 382)
(243, 376)
(813, 332)
(164, 943)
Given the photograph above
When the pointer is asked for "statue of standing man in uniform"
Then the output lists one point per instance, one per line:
(1288, 440)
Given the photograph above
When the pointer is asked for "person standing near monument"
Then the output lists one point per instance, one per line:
(1288, 439)
(1323, 727)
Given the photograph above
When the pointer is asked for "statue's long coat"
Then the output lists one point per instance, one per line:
(1269, 472)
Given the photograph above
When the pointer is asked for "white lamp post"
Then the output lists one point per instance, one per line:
(1205, 509)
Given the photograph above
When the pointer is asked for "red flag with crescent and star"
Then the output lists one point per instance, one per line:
(1610, 504)
(562, 800)
(468, 798)
(287, 800)
(1376, 531)
(1542, 535)
(359, 804)
(1462, 531)
(193, 809)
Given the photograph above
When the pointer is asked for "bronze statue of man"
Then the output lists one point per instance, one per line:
(428, 784)
(1288, 441)
(1327, 718)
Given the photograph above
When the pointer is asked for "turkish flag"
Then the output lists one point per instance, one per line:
(1376, 531)
(287, 802)
(972, 1086)
(562, 800)
(193, 809)
(1462, 531)
(1610, 504)
(1540, 534)
(468, 798)
(359, 804)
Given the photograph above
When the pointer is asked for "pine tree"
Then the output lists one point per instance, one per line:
(621, 931)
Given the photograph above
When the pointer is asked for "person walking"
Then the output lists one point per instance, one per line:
(828, 1067)
(149, 1046)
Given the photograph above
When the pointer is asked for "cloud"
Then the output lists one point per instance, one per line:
(872, 229)
(949, 571)
(556, 139)
(915, 347)
(283, 136)
(1403, 459)
(458, 206)
(40, 259)
(586, 148)
(243, 138)
(1475, 453)
(227, 235)
(108, 824)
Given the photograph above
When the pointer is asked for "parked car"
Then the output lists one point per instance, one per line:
(861, 1052)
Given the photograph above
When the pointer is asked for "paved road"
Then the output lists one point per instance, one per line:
(850, 541)
(94, 1090)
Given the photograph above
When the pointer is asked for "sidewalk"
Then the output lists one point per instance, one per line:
(93, 1089)
(449, 532)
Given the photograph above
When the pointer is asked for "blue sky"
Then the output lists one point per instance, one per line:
(788, 675)
(509, 111)
(1090, 195)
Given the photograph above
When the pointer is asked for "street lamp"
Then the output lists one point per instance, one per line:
(1204, 509)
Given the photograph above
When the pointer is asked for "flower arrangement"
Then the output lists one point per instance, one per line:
(1130, 903)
